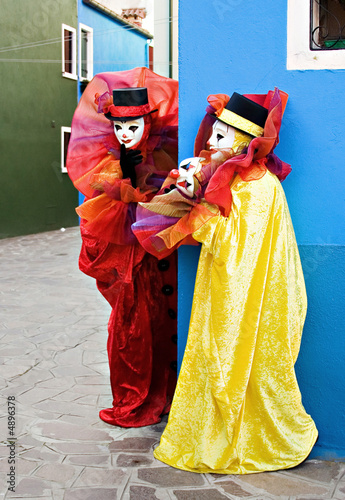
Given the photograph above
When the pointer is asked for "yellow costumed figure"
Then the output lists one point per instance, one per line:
(237, 408)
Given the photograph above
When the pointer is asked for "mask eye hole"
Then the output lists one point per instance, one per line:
(133, 128)
(219, 137)
(118, 127)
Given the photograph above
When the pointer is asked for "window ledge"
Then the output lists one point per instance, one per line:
(70, 76)
(299, 55)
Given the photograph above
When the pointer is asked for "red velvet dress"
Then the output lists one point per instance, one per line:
(140, 289)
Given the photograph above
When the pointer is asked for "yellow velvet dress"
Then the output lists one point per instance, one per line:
(237, 407)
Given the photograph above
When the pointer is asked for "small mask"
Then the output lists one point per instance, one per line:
(187, 169)
(129, 132)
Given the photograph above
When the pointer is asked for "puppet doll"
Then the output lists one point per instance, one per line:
(123, 144)
(237, 407)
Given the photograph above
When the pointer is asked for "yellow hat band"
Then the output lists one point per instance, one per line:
(241, 123)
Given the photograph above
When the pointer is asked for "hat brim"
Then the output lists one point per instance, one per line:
(126, 118)
(237, 121)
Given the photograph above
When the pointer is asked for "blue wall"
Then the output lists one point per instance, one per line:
(115, 46)
(233, 45)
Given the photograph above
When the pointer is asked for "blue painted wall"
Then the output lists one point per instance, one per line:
(233, 45)
(115, 46)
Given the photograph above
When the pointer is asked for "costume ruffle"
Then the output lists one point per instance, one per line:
(161, 235)
(92, 136)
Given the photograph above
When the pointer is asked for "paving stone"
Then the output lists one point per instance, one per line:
(68, 382)
(92, 476)
(4, 463)
(133, 460)
(74, 371)
(35, 395)
(65, 432)
(90, 345)
(63, 407)
(167, 476)
(314, 498)
(59, 473)
(58, 493)
(9, 372)
(142, 493)
(90, 400)
(234, 489)
(35, 375)
(204, 494)
(279, 484)
(133, 444)
(324, 472)
(96, 389)
(29, 441)
(45, 416)
(16, 351)
(79, 448)
(25, 467)
(101, 368)
(93, 357)
(70, 395)
(81, 421)
(94, 380)
(13, 389)
(96, 460)
(91, 494)
(42, 454)
(30, 487)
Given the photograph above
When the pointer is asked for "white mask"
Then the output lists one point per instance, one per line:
(187, 169)
(223, 136)
(129, 132)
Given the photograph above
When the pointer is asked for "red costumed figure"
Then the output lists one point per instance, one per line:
(123, 145)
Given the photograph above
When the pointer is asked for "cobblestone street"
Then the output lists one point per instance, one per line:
(54, 362)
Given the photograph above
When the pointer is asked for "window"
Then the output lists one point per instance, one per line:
(327, 24)
(310, 25)
(151, 57)
(85, 52)
(65, 137)
(69, 52)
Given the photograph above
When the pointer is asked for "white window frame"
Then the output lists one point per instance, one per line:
(299, 55)
(63, 166)
(83, 27)
(73, 32)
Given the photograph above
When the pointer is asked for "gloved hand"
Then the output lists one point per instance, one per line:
(128, 161)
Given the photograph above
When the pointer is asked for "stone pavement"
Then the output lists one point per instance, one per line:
(53, 362)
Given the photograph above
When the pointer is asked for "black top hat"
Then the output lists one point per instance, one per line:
(129, 103)
(244, 114)
(134, 96)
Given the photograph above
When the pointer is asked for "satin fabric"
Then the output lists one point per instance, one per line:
(142, 292)
(237, 408)
(140, 329)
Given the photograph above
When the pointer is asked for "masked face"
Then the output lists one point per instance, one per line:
(187, 169)
(223, 136)
(129, 132)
